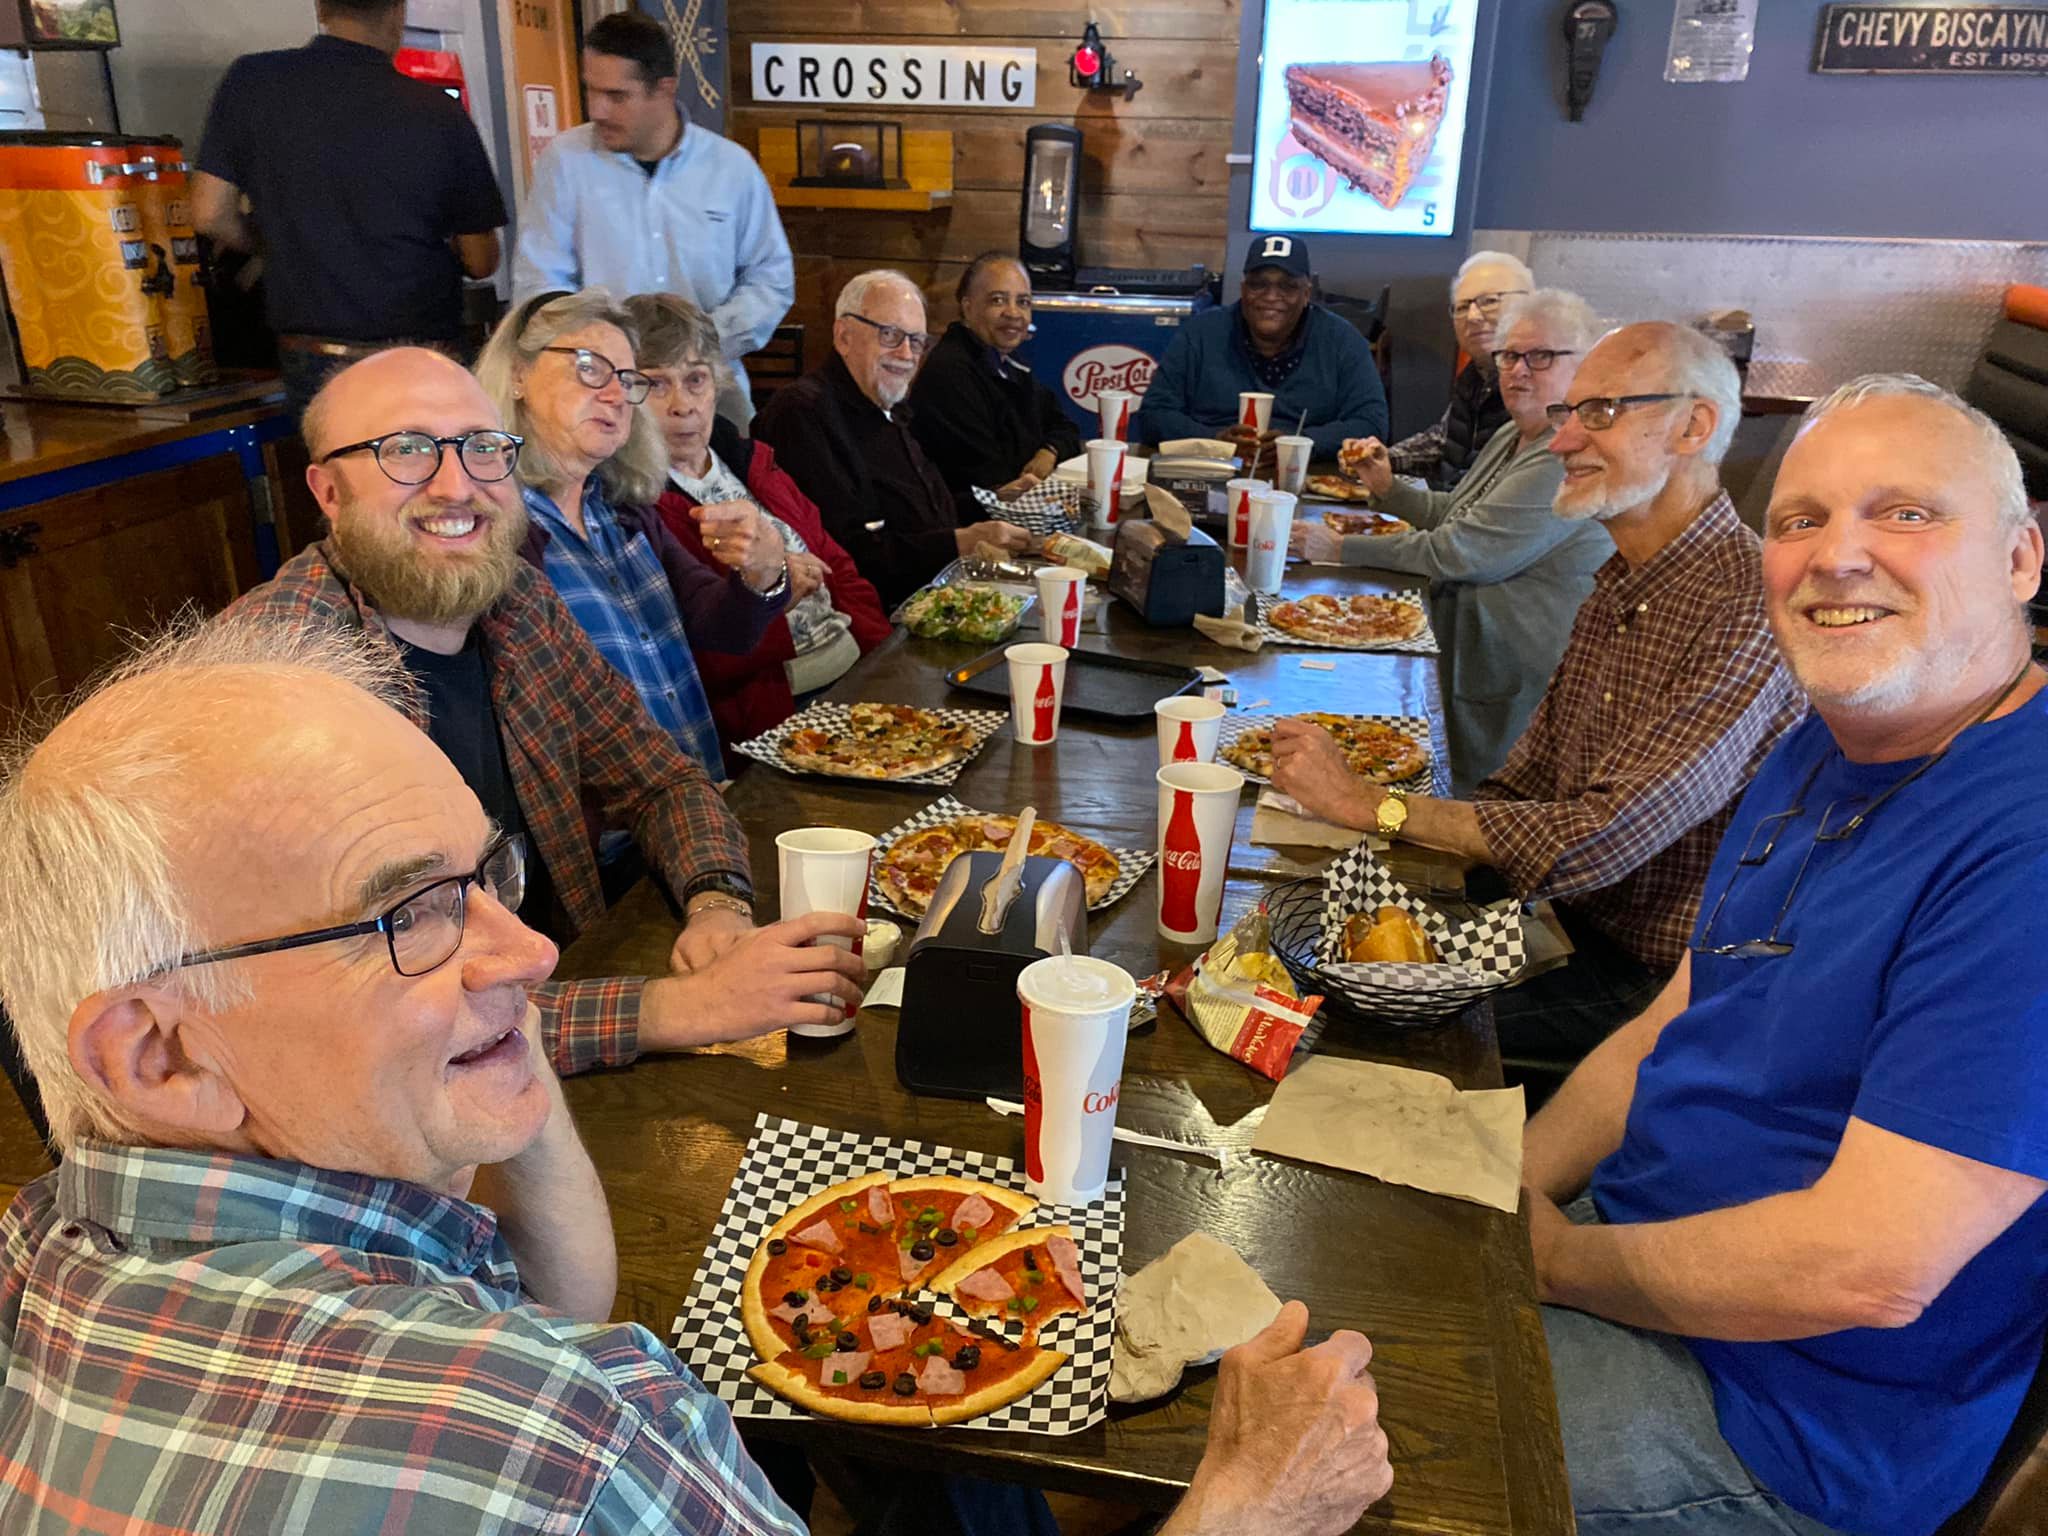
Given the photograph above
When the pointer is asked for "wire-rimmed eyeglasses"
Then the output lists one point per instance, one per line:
(1596, 413)
(423, 930)
(594, 372)
(1484, 304)
(414, 458)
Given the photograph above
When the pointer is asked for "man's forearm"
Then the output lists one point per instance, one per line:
(1449, 826)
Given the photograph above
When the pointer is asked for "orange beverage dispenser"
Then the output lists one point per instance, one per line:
(101, 267)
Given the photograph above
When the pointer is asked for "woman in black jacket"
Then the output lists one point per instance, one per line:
(981, 417)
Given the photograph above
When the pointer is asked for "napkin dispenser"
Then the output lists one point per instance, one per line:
(961, 1030)
(1168, 577)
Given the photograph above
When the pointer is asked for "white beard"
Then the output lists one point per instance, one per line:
(1618, 497)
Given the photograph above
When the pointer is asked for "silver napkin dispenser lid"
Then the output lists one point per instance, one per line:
(1050, 899)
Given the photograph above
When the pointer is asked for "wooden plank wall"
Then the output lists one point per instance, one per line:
(1155, 188)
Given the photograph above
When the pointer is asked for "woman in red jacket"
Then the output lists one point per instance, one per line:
(834, 616)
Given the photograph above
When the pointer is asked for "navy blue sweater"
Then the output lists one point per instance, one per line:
(1194, 393)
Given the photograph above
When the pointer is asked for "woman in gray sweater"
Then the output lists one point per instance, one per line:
(1506, 574)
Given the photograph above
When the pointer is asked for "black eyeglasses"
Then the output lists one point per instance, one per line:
(594, 372)
(414, 458)
(1597, 414)
(423, 930)
(1487, 304)
(894, 336)
(1539, 359)
(1771, 946)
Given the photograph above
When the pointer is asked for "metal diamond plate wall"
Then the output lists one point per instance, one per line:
(1825, 309)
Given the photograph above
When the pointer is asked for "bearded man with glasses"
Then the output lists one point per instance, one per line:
(843, 433)
(1805, 1241)
(424, 555)
(1668, 696)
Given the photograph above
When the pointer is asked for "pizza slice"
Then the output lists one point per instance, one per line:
(1028, 1276)
(941, 1217)
(820, 1265)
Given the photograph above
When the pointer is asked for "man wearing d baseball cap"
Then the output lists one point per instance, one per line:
(1273, 340)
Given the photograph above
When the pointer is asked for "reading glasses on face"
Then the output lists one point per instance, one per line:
(594, 372)
(1597, 413)
(414, 458)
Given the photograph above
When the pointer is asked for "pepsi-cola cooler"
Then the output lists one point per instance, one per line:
(1084, 342)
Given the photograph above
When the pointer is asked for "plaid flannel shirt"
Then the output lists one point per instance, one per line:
(212, 1344)
(572, 728)
(1670, 694)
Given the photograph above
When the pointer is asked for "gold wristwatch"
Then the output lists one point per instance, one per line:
(1392, 814)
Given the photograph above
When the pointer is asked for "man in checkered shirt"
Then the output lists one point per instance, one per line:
(1670, 693)
(540, 725)
(278, 1005)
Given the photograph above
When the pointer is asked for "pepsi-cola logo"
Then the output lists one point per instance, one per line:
(1096, 1103)
(1109, 366)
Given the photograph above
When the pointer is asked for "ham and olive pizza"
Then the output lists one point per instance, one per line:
(879, 741)
(1354, 621)
(909, 871)
(828, 1300)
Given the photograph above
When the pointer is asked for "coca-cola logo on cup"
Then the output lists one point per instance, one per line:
(1096, 1103)
(1183, 858)
(1109, 366)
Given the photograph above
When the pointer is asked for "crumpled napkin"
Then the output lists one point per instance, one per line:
(1196, 448)
(1231, 632)
(1185, 1308)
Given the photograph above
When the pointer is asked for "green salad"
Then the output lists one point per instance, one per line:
(963, 612)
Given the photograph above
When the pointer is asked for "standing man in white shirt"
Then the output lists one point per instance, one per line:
(641, 200)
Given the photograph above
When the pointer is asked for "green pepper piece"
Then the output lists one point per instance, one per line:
(1030, 1303)
(969, 1236)
(865, 1281)
(823, 1349)
(849, 1206)
(839, 1378)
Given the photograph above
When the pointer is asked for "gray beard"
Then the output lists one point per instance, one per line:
(1615, 500)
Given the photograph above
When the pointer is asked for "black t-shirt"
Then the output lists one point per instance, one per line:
(463, 723)
(358, 177)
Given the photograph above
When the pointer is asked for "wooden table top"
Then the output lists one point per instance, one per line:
(1443, 1288)
(40, 436)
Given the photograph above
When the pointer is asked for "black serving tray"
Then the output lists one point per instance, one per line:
(1100, 686)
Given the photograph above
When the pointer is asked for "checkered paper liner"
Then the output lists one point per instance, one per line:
(1051, 507)
(1477, 956)
(786, 1162)
(767, 747)
(1423, 643)
(1132, 862)
(1417, 783)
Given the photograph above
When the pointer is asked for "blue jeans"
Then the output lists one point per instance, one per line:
(1641, 1441)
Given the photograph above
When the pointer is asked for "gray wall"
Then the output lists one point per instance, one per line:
(1786, 152)
(173, 53)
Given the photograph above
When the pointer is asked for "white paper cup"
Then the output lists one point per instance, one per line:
(1254, 409)
(1106, 478)
(1197, 816)
(1265, 558)
(825, 869)
(1237, 501)
(1189, 726)
(1038, 681)
(1060, 589)
(1293, 455)
(1113, 407)
(1077, 1013)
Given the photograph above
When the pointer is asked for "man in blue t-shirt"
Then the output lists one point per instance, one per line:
(1810, 1274)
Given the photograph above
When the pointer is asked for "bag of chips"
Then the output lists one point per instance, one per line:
(1239, 997)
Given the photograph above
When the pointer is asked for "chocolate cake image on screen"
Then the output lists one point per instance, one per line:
(1373, 124)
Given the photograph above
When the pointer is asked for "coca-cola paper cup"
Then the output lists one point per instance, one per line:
(1292, 454)
(1060, 604)
(1254, 410)
(1077, 1013)
(1265, 558)
(1237, 501)
(1106, 478)
(1038, 681)
(1197, 815)
(1188, 728)
(1114, 407)
(825, 869)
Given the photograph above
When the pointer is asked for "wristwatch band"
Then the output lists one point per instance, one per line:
(1392, 813)
(718, 885)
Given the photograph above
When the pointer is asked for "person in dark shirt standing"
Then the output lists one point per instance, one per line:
(843, 434)
(370, 195)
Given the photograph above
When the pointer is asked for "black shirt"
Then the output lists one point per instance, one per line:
(463, 723)
(358, 177)
(981, 418)
(861, 467)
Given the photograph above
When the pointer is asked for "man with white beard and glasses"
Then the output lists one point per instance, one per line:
(1809, 1271)
(1670, 693)
(842, 431)
(423, 552)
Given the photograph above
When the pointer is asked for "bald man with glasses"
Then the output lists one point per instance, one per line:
(1669, 694)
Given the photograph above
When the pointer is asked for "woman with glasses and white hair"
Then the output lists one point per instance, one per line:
(834, 616)
(1506, 574)
(563, 372)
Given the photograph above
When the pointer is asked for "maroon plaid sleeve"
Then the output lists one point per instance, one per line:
(585, 1024)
